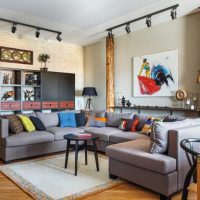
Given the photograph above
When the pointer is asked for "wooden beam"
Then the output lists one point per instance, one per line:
(110, 79)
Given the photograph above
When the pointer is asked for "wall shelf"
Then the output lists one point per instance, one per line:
(170, 109)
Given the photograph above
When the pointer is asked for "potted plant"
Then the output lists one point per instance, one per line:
(43, 58)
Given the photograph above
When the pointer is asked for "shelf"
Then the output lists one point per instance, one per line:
(31, 85)
(10, 85)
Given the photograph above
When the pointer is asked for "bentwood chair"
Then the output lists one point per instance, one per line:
(188, 145)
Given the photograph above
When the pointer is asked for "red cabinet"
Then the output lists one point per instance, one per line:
(66, 104)
(49, 104)
(10, 105)
(31, 105)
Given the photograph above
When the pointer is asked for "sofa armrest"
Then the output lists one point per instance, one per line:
(175, 150)
(3, 129)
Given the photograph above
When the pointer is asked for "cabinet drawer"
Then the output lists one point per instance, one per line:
(66, 104)
(31, 105)
(49, 104)
(10, 105)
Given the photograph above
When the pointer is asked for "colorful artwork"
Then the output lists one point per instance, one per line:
(156, 74)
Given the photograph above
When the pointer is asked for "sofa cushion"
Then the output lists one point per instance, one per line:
(103, 133)
(142, 120)
(80, 119)
(114, 119)
(60, 132)
(15, 124)
(67, 119)
(48, 119)
(37, 123)
(25, 138)
(159, 135)
(137, 153)
(27, 123)
(125, 136)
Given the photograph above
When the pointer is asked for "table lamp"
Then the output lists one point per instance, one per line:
(89, 91)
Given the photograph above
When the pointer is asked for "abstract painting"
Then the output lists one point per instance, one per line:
(155, 74)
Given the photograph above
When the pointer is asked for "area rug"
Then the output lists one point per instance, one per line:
(48, 179)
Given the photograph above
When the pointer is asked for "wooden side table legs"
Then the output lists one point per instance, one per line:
(95, 154)
(67, 153)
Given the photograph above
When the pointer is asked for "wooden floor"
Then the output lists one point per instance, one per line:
(127, 191)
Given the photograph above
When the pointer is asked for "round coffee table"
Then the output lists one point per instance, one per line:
(76, 139)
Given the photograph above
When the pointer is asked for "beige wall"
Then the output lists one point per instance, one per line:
(64, 57)
(182, 34)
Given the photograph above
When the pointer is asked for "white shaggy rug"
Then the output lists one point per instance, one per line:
(48, 179)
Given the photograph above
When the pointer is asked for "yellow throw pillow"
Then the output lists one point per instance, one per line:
(27, 123)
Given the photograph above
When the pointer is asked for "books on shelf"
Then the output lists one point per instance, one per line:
(82, 135)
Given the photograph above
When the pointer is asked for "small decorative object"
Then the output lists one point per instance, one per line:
(13, 55)
(43, 58)
(6, 79)
(198, 77)
(12, 80)
(28, 94)
(128, 103)
(123, 101)
(7, 95)
(31, 79)
(181, 95)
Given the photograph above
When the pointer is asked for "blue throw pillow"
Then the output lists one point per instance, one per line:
(67, 119)
(80, 119)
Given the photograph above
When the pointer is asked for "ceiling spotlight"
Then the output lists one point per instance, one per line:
(127, 28)
(14, 28)
(37, 33)
(148, 21)
(173, 13)
(110, 35)
(58, 37)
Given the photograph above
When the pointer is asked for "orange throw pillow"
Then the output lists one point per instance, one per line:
(134, 125)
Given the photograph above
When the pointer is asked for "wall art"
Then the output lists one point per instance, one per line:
(13, 55)
(155, 74)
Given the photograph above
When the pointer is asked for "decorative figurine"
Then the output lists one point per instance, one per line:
(6, 79)
(123, 101)
(7, 95)
(128, 103)
(28, 94)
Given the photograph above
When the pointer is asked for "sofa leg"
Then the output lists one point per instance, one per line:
(163, 197)
(112, 176)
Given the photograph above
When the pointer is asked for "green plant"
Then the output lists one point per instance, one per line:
(43, 57)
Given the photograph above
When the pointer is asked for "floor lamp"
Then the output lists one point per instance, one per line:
(89, 91)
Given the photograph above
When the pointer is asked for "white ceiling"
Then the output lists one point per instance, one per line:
(84, 21)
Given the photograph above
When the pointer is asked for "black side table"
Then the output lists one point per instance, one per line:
(71, 137)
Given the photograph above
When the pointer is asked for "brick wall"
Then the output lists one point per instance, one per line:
(65, 57)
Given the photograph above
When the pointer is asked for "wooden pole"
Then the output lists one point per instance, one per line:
(110, 79)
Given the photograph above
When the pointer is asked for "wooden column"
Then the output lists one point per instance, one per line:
(110, 89)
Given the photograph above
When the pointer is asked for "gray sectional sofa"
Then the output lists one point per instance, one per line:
(129, 153)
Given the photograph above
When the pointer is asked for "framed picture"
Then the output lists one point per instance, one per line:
(155, 74)
(13, 55)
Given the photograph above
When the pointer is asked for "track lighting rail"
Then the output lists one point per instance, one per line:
(15, 23)
(143, 17)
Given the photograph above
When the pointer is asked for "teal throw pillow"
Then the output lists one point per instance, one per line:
(67, 119)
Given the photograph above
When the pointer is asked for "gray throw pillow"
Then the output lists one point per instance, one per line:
(48, 119)
(159, 135)
(114, 119)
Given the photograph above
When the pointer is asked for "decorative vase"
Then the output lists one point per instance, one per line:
(123, 101)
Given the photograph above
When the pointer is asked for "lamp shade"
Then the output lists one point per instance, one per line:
(89, 91)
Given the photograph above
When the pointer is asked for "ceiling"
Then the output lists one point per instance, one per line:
(84, 21)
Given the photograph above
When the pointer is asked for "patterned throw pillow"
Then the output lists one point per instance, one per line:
(97, 122)
(148, 125)
(27, 123)
(15, 124)
(128, 125)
